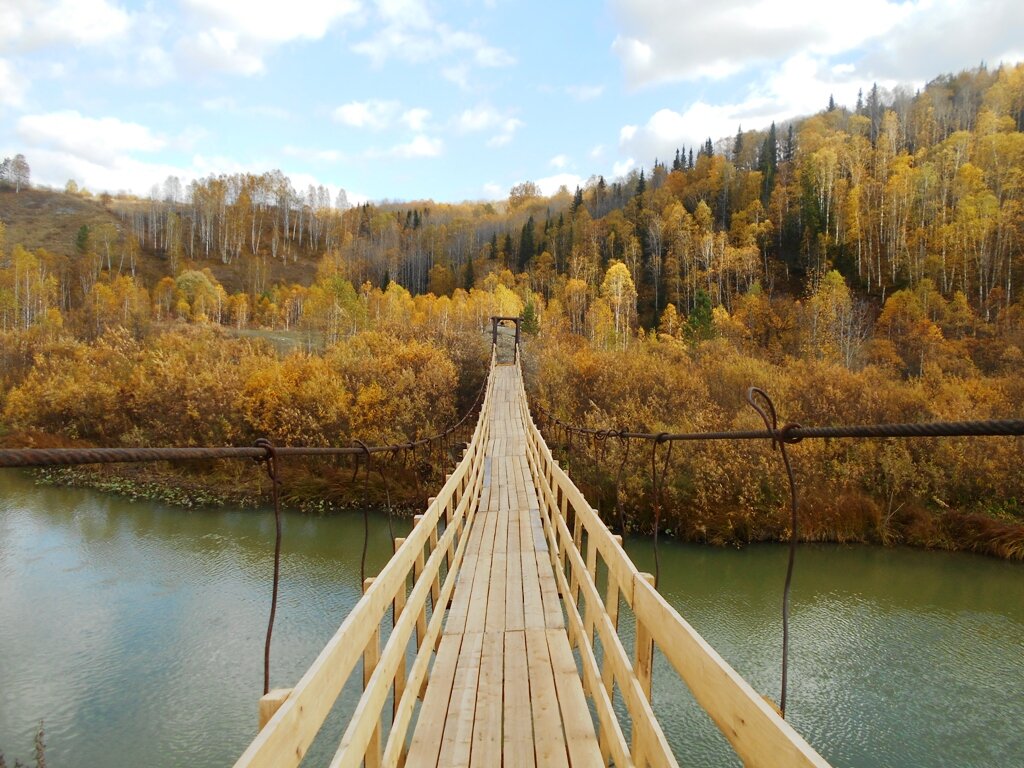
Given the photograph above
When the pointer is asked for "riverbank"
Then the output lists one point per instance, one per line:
(319, 491)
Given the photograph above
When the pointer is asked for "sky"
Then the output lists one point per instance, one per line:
(449, 101)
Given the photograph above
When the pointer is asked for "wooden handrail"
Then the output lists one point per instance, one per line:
(578, 539)
(438, 536)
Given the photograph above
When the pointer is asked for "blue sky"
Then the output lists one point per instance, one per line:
(457, 100)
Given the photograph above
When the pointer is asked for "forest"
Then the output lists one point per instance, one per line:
(862, 265)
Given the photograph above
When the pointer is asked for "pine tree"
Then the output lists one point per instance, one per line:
(691, 158)
(790, 152)
(527, 246)
(507, 249)
(699, 321)
(577, 199)
(529, 323)
(494, 246)
(641, 186)
(82, 240)
(737, 146)
(469, 278)
(769, 164)
(676, 165)
(831, 103)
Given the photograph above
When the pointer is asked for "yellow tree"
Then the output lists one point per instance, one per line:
(619, 291)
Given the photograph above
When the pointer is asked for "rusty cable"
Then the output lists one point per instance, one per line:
(270, 459)
(618, 484)
(656, 491)
(366, 511)
(387, 495)
(794, 433)
(766, 411)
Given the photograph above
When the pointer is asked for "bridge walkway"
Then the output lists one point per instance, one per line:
(507, 597)
(504, 689)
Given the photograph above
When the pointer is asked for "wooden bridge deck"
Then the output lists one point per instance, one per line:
(504, 689)
(509, 590)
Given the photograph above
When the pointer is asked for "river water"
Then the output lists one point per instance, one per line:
(135, 631)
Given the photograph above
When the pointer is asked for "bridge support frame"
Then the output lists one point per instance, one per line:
(495, 321)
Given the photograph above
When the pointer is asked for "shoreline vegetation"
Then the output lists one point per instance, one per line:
(860, 265)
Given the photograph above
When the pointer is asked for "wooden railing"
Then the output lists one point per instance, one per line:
(429, 560)
(579, 542)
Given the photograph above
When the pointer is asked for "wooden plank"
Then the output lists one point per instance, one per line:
(517, 738)
(548, 737)
(533, 603)
(580, 735)
(458, 730)
(553, 618)
(426, 739)
(476, 616)
(495, 621)
(513, 583)
(487, 739)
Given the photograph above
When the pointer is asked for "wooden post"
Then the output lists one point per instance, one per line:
(398, 608)
(417, 569)
(643, 667)
(271, 702)
(371, 656)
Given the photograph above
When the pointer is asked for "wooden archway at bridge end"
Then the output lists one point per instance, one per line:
(495, 320)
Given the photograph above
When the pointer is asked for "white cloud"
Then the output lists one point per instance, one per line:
(31, 23)
(597, 152)
(549, 185)
(584, 92)
(409, 33)
(730, 36)
(12, 86)
(220, 49)
(487, 118)
(802, 85)
(96, 140)
(119, 173)
(272, 21)
(902, 40)
(494, 191)
(558, 161)
(420, 146)
(374, 114)
(458, 74)
(236, 35)
(623, 167)
(415, 118)
(946, 36)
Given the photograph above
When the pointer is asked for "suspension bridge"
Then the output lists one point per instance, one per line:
(510, 627)
(502, 610)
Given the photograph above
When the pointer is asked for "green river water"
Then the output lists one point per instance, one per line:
(136, 632)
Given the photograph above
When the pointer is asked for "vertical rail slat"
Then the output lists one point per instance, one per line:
(371, 655)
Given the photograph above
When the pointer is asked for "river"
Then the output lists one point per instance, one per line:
(135, 631)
